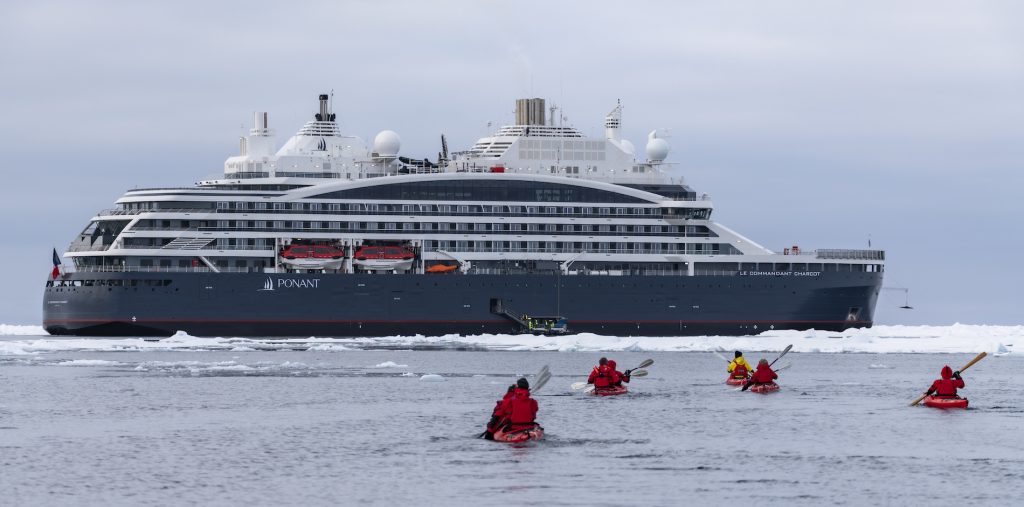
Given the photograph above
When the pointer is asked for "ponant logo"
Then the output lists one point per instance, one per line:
(291, 283)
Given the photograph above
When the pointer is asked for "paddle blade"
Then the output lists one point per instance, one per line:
(720, 356)
(915, 402)
(638, 373)
(539, 383)
(576, 386)
(784, 352)
(590, 388)
(646, 363)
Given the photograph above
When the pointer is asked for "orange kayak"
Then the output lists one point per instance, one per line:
(610, 391)
(945, 401)
(733, 381)
(517, 436)
(770, 387)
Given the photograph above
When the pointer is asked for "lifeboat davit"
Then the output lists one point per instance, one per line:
(313, 257)
(383, 258)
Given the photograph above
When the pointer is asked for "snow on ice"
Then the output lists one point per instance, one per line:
(958, 338)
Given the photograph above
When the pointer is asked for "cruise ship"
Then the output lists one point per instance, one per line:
(536, 228)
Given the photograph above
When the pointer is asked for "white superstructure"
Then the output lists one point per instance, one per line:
(534, 192)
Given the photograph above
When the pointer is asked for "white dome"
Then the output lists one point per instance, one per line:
(387, 143)
(657, 148)
(628, 147)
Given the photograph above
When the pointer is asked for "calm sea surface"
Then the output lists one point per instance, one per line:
(299, 426)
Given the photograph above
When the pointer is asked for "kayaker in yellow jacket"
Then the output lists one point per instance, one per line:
(739, 367)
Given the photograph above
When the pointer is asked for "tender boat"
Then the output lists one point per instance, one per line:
(313, 257)
(383, 258)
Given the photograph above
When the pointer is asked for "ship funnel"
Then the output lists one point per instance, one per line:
(260, 124)
(324, 114)
(530, 112)
(612, 123)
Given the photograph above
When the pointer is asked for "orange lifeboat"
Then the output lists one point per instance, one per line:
(442, 268)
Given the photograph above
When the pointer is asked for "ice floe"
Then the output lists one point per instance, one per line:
(957, 338)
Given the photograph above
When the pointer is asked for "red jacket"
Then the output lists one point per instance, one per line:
(947, 385)
(617, 378)
(497, 407)
(600, 377)
(520, 409)
(763, 375)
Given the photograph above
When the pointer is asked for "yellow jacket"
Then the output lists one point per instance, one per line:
(738, 361)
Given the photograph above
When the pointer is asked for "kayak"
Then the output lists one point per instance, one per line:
(945, 401)
(609, 391)
(770, 387)
(733, 381)
(515, 437)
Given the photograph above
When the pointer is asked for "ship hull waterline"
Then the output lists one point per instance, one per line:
(340, 305)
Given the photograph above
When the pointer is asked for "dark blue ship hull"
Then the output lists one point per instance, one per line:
(261, 304)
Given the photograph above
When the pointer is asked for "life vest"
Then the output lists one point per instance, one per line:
(520, 409)
(603, 377)
(739, 371)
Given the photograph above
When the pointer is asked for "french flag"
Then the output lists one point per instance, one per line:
(56, 265)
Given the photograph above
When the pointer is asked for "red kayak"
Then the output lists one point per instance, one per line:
(609, 391)
(518, 436)
(770, 387)
(945, 401)
(734, 381)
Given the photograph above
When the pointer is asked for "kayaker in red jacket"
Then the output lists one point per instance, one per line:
(764, 373)
(617, 377)
(600, 377)
(520, 410)
(496, 415)
(948, 384)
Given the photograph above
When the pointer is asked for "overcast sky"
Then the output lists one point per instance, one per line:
(816, 123)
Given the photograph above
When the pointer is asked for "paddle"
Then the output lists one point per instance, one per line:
(576, 386)
(977, 358)
(720, 356)
(751, 381)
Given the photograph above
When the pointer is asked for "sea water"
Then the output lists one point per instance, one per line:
(193, 421)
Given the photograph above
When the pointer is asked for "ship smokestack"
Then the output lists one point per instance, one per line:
(530, 112)
(324, 114)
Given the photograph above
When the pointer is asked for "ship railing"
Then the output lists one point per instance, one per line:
(122, 212)
(80, 247)
(204, 248)
(160, 269)
(846, 254)
(870, 255)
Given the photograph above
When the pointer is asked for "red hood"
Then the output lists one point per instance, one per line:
(522, 393)
(947, 372)
(611, 364)
(763, 366)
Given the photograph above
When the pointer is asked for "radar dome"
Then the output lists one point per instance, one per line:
(387, 143)
(657, 148)
(628, 147)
